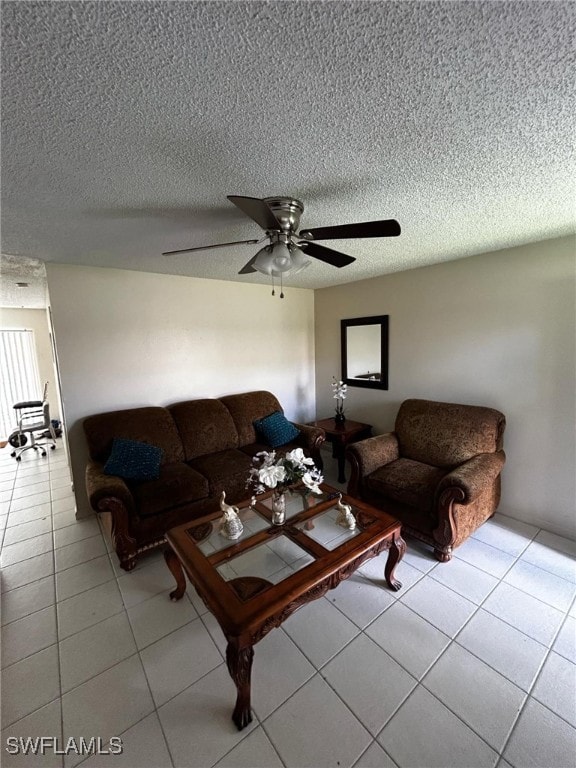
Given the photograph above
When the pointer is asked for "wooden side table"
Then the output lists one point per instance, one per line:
(340, 435)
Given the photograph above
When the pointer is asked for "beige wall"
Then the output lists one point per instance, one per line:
(496, 329)
(37, 321)
(128, 339)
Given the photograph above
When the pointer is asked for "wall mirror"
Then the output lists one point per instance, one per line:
(364, 350)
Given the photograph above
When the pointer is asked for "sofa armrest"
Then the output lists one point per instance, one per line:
(366, 456)
(311, 438)
(470, 479)
(101, 487)
(110, 494)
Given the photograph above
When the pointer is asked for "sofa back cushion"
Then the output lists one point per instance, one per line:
(247, 408)
(447, 434)
(205, 426)
(152, 425)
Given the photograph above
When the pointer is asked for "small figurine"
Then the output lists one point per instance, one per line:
(230, 524)
(345, 517)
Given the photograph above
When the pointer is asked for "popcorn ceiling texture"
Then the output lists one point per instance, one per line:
(126, 124)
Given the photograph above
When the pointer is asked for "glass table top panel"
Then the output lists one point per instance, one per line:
(273, 560)
(326, 530)
(297, 501)
(214, 541)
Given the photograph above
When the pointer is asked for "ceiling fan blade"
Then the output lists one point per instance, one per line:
(258, 210)
(330, 256)
(385, 228)
(248, 268)
(218, 245)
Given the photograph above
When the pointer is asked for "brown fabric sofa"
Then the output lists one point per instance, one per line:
(438, 472)
(207, 446)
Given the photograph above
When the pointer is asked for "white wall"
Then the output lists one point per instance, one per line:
(127, 339)
(496, 329)
(37, 321)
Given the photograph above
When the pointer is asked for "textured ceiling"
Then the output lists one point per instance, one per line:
(126, 124)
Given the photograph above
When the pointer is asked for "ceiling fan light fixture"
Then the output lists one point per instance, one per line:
(264, 262)
(273, 259)
(299, 259)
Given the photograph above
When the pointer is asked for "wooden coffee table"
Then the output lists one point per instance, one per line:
(254, 583)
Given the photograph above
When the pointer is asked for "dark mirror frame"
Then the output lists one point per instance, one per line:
(382, 321)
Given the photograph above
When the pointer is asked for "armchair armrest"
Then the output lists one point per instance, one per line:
(469, 479)
(374, 452)
(101, 487)
(366, 456)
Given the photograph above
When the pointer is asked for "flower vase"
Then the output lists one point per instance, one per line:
(339, 418)
(278, 507)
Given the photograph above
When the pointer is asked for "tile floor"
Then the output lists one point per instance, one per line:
(472, 664)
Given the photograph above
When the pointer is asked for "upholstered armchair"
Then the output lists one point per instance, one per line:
(438, 472)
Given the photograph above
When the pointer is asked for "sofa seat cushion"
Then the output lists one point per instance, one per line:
(178, 484)
(409, 482)
(254, 448)
(225, 471)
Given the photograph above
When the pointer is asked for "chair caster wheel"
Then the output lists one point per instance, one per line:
(52, 447)
(18, 458)
(43, 453)
(13, 454)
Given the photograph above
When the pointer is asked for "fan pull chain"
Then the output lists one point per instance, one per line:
(281, 286)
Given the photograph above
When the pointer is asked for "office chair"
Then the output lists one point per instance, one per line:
(33, 416)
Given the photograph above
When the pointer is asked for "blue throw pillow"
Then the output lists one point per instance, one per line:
(133, 460)
(276, 429)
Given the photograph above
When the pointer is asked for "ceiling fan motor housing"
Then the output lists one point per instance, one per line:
(287, 210)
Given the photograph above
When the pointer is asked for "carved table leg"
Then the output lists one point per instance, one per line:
(239, 662)
(177, 571)
(395, 554)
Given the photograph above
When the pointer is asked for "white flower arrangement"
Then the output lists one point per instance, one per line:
(270, 473)
(340, 391)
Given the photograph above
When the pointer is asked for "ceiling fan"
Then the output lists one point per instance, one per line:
(286, 251)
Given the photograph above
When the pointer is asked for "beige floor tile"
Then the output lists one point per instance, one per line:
(19, 698)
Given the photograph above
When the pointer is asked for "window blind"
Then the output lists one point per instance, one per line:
(20, 376)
